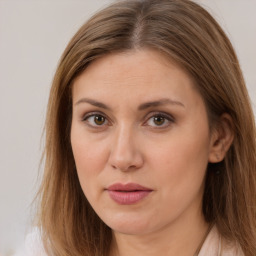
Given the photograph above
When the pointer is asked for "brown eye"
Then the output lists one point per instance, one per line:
(95, 120)
(159, 120)
(99, 120)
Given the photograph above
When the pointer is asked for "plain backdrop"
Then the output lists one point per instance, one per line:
(33, 34)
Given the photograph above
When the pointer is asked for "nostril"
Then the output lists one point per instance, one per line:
(114, 167)
(125, 168)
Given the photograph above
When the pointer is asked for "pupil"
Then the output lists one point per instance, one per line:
(159, 120)
(99, 120)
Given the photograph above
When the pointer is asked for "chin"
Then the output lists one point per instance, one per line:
(130, 230)
(128, 225)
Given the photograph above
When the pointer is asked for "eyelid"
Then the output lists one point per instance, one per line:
(165, 115)
(92, 113)
(160, 113)
(86, 116)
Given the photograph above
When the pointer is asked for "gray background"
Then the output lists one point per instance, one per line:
(33, 34)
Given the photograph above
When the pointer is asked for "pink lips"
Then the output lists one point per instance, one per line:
(129, 193)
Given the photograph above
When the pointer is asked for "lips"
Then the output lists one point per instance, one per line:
(127, 194)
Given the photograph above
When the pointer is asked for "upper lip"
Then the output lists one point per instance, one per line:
(127, 187)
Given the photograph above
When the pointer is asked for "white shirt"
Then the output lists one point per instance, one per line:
(33, 245)
(215, 245)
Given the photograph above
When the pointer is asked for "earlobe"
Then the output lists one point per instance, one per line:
(221, 139)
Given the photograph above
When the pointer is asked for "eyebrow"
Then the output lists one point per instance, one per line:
(93, 102)
(143, 106)
(161, 102)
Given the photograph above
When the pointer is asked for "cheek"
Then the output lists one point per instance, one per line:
(179, 175)
(184, 150)
(90, 159)
(88, 153)
(87, 158)
(181, 163)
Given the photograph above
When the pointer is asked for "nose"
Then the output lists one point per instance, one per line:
(125, 152)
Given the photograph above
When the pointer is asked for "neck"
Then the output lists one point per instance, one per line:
(183, 238)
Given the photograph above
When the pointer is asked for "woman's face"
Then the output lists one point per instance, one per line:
(141, 141)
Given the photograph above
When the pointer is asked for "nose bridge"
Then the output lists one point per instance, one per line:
(125, 153)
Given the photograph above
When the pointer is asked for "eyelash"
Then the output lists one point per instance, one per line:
(168, 119)
(94, 114)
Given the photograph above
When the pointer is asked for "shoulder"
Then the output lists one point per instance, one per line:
(216, 245)
(33, 245)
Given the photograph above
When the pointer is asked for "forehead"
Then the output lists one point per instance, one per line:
(146, 65)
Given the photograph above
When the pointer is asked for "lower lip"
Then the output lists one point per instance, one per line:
(129, 197)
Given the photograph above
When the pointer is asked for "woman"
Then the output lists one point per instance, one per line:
(150, 138)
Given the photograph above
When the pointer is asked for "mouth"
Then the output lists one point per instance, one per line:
(127, 194)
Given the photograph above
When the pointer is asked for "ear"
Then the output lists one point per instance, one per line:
(221, 139)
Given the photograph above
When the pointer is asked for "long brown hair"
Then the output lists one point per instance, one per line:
(188, 35)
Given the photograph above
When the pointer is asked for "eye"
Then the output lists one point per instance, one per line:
(160, 120)
(95, 120)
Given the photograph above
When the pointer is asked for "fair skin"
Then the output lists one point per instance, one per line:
(137, 118)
